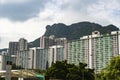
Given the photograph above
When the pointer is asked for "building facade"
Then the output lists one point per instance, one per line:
(13, 48)
(22, 53)
(12, 51)
(37, 58)
(22, 44)
(57, 48)
(96, 50)
(45, 41)
(56, 53)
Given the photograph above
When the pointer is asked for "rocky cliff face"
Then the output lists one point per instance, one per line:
(77, 30)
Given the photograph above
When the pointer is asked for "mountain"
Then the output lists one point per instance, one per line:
(73, 31)
(35, 43)
(77, 30)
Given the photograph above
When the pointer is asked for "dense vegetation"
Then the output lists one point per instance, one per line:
(112, 72)
(63, 70)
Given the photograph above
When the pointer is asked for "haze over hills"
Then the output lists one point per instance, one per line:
(73, 31)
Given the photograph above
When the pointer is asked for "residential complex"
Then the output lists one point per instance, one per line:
(96, 50)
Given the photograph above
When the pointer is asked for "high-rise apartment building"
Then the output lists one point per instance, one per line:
(79, 51)
(22, 44)
(31, 60)
(49, 42)
(22, 53)
(96, 50)
(37, 58)
(101, 47)
(115, 42)
(63, 42)
(42, 59)
(12, 51)
(56, 53)
(13, 48)
(45, 41)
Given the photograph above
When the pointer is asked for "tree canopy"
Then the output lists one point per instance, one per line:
(63, 70)
(112, 71)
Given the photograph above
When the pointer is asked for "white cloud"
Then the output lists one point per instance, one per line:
(104, 12)
(10, 31)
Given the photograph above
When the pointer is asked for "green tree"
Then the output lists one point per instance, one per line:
(112, 71)
(62, 70)
(57, 71)
(80, 72)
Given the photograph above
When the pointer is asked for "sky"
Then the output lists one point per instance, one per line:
(28, 18)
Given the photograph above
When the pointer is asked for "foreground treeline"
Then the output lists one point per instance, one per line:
(112, 72)
(64, 71)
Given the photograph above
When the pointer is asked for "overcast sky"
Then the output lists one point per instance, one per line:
(28, 18)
